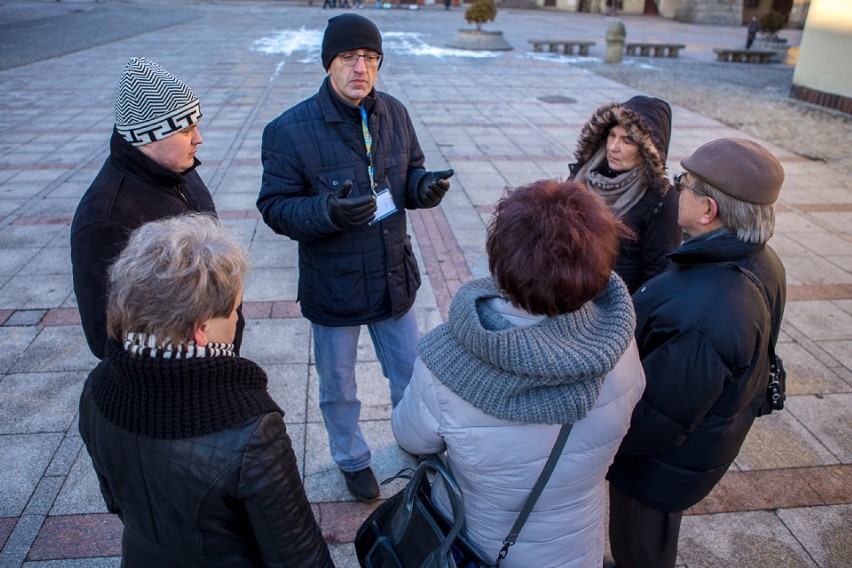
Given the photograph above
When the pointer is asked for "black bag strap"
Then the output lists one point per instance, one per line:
(756, 281)
(543, 478)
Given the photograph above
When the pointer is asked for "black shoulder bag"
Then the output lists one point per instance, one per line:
(776, 390)
(407, 531)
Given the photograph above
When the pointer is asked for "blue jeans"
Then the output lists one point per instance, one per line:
(335, 353)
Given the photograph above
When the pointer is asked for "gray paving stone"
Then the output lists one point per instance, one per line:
(25, 317)
(101, 562)
(782, 440)
(49, 260)
(13, 342)
(57, 349)
(80, 493)
(823, 531)
(281, 341)
(271, 284)
(32, 453)
(27, 236)
(12, 260)
(740, 539)
(819, 320)
(39, 402)
(288, 386)
(828, 418)
(48, 291)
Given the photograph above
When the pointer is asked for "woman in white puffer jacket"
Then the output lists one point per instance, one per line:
(546, 340)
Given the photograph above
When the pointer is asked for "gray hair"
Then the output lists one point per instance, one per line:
(174, 274)
(750, 222)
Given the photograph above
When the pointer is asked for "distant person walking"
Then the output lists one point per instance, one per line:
(753, 28)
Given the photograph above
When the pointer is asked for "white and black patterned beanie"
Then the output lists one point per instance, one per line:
(152, 104)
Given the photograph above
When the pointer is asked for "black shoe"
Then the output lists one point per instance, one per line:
(362, 484)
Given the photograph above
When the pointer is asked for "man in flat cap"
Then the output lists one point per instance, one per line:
(149, 174)
(339, 170)
(706, 329)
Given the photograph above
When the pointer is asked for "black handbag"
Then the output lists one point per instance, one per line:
(407, 531)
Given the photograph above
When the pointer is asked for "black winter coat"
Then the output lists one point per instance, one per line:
(703, 330)
(194, 457)
(654, 220)
(350, 277)
(130, 190)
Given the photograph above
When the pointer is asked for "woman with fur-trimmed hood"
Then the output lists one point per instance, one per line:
(621, 156)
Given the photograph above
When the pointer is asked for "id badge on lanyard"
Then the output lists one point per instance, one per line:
(384, 200)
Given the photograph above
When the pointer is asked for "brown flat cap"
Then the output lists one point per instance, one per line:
(743, 169)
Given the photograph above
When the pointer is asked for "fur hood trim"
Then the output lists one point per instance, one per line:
(647, 120)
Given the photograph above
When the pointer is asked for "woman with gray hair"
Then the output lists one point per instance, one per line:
(189, 448)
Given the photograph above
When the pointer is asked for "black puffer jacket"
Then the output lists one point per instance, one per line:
(194, 456)
(654, 218)
(356, 276)
(130, 190)
(703, 330)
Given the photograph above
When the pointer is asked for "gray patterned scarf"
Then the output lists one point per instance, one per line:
(621, 192)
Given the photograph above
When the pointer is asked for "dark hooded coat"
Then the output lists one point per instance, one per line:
(654, 218)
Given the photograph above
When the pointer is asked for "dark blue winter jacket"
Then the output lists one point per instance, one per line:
(703, 331)
(346, 277)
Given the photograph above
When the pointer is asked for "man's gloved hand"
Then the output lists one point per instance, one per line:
(433, 187)
(351, 213)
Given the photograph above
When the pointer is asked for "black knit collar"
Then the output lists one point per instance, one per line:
(178, 398)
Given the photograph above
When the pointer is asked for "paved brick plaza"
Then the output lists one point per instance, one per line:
(500, 120)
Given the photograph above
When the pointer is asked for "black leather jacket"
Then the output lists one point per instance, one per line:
(194, 457)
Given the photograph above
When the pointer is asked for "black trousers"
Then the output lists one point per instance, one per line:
(641, 536)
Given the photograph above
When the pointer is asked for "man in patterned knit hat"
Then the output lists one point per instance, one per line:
(150, 174)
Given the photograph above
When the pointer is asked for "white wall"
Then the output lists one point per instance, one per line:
(826, 50)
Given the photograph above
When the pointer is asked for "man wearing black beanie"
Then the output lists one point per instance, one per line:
(339, 170)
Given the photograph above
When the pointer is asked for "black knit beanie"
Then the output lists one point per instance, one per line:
(347, 32)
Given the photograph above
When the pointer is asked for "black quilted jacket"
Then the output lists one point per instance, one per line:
(194, 456)
(358, 276)
(130, 190)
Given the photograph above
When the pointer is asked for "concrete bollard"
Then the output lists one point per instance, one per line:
(615, 35)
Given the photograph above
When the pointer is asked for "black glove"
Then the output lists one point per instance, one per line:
(433, 187)
(351, 213)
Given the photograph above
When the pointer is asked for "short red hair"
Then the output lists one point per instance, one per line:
(552, 246)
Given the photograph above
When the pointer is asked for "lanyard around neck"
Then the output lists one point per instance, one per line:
(368, 143)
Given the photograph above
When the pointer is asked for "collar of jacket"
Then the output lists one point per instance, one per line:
(171, 399)
(334, 109)
(132, 160)
(720, 246)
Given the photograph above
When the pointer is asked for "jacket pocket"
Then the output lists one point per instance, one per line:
(412, 273)
(330, 181)
(336, 284)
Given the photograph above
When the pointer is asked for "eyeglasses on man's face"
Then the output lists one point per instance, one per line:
(680, 185)
(351, 59)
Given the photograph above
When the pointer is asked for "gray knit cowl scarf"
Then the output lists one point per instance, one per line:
(548, 373)
(621, 192)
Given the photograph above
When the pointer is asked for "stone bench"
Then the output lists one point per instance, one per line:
(744, 55)
(567, 45)
(655, 49)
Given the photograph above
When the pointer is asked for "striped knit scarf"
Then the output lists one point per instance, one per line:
(147, 345)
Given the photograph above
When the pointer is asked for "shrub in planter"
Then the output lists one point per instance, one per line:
(480, 12)
(771, 23)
